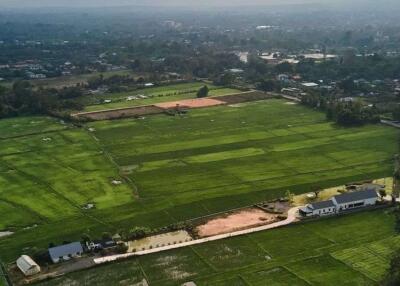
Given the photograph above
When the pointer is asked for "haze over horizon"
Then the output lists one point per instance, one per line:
(182, 3)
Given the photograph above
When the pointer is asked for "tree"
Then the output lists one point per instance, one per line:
(41, 256)
(203, 92)
(226, 79)
(396, 113)
(267, 85)
(106, 235)
(393, 275)
(138, 232)
(86, 238)
(121, 248)
(397, 219)
(347, 85)
(289, 195)
(284, 67)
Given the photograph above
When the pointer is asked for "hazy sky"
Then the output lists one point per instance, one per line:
(97, 3)
(38, 3)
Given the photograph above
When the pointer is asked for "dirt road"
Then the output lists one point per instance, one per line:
(292, 217)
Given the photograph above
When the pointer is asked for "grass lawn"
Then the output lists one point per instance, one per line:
(153, 94)
(246, 260)
(177, 168)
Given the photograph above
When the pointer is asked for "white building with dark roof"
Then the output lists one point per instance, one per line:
(319, 208)
(352, 200)
(65, 252)
(368, 196)
(27, 266)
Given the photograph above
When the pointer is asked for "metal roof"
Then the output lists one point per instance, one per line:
(322, 205)
(356, 196)
(65, 250)
(26, 263)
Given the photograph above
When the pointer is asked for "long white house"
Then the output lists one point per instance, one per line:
(343, 202)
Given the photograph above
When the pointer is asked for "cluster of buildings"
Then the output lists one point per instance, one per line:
(275, 58)
(65, 252)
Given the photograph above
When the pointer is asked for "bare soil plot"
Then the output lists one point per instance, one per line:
(245, 97)
(191, 103)
(243, 219)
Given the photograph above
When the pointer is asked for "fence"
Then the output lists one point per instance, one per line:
(4, 279)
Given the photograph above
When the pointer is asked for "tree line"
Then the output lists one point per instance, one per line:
(24, 99)
(345, 113)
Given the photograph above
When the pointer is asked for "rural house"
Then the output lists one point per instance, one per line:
(65, 252)
(353, 200)
(347, 201)
(320, 208)
(27, 265)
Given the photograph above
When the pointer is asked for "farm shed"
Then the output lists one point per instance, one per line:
(65, 252)
(27, 265)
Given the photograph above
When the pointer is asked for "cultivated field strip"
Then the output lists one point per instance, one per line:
(371, 259)
(296, 254)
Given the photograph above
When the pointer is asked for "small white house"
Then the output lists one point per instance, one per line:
(65, 252)
(27, 266)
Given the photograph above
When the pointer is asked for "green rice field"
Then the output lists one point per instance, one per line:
(170, 169)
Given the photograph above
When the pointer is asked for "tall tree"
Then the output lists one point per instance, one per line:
(203, 92)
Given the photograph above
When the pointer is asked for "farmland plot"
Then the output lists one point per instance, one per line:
(176, 168)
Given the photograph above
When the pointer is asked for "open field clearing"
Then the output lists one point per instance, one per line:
(155, 95)
(175, 168)
(295, 255)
